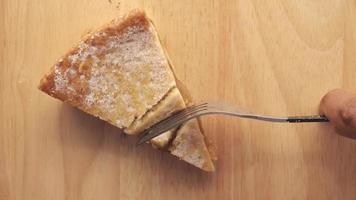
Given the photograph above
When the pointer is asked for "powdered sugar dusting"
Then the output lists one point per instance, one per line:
(189, 145)
(128, 74)
(59, 81)
(132, 76)
(191, 157)
(89, 99)
(73, 58)
(185, 150)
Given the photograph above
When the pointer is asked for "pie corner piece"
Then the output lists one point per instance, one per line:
(190, 146)
(121, 74)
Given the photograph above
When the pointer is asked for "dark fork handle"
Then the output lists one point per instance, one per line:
(300, 119)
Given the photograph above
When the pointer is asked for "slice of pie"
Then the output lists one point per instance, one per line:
(121, 74)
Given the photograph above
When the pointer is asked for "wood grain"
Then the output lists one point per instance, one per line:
(274, 57)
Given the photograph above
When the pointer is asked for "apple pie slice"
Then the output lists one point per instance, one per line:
(121, 74)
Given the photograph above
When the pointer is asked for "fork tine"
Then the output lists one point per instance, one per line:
(168, 124)
(177, 115)
(156, 131)
(171, 122)
(190, 109)
(180, 115)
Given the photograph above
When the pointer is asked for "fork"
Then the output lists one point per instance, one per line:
(210, 108)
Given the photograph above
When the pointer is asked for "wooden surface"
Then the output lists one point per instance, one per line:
(273, 57)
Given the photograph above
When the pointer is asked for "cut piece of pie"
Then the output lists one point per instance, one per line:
(121, 74)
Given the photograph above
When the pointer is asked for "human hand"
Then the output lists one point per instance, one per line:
(339, 106)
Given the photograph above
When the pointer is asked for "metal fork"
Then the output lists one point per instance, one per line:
(224, 109)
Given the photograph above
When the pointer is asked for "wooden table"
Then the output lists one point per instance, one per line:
(273, 57)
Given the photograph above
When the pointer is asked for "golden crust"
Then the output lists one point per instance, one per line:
(116, 73)
(114, 27)
(93, 76)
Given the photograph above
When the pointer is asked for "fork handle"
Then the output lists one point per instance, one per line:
(301, 119)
